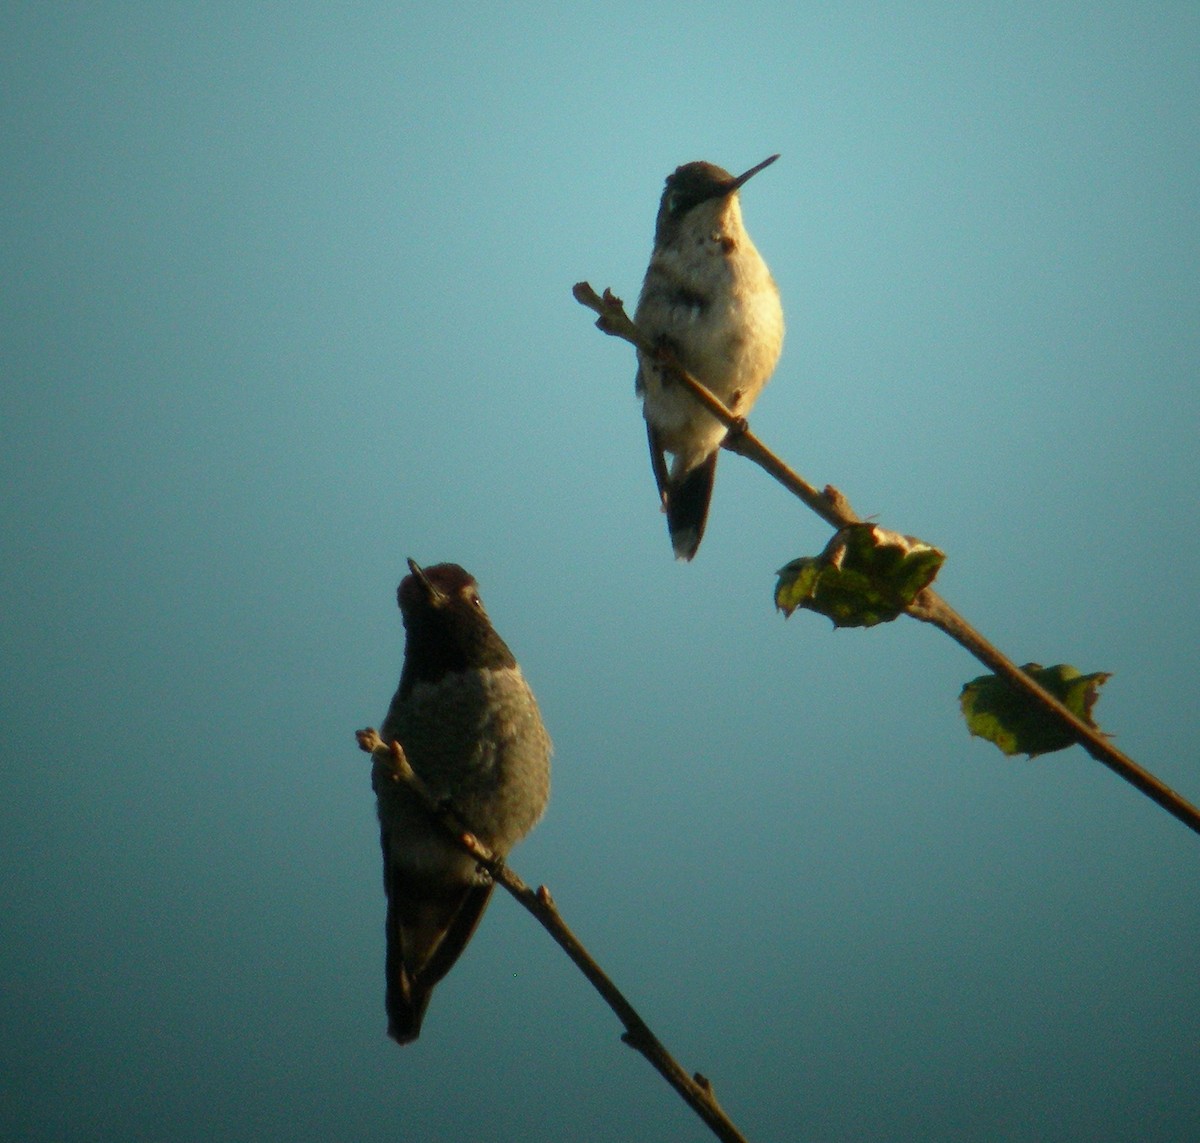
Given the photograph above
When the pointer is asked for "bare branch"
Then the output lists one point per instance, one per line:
(929, 607)
(696, 1090)
(830, 504)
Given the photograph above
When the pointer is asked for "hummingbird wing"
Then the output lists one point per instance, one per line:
(658, 462)
(428, 926)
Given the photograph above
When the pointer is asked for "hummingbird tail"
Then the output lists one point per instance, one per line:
(687, 507)
(405, 1011)
(424, 939)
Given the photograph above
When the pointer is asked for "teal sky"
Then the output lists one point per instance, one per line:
(287, 299)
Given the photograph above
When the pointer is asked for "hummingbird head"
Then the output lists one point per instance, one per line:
(691, 185)
(446, 628)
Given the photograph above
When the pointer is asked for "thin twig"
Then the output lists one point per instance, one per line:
(696, 1090)
(929, 607)
(830, 505)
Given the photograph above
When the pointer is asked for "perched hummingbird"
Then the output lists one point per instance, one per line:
(471, 729)
(710, 300)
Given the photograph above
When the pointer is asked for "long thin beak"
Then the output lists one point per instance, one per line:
(744, 178)
(432, 591)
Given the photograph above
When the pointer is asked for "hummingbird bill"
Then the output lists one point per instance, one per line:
(709, 299)
(471, 730)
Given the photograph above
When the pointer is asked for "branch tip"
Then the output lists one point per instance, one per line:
(368, 739)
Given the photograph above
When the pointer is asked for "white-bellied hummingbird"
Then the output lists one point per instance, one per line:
(710, 301)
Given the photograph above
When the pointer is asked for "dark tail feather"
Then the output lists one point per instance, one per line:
(410, 985)
(406, 1009)
(687, 507)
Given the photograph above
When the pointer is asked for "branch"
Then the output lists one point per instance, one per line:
(929, 607)
(830, 504)
(696, 1090)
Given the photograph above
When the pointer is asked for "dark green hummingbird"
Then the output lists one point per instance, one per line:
(471, 730)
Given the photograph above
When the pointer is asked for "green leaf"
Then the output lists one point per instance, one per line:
(996, 710)
(865, 575)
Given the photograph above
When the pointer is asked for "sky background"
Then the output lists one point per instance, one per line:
(287, 299)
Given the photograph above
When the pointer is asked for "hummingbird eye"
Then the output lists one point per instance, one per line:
(676, 204)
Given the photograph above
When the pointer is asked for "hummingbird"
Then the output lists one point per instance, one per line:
(471, 730)
(710, 301)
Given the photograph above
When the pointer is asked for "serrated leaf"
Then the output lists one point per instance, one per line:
(866, 575)
(996, 710)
